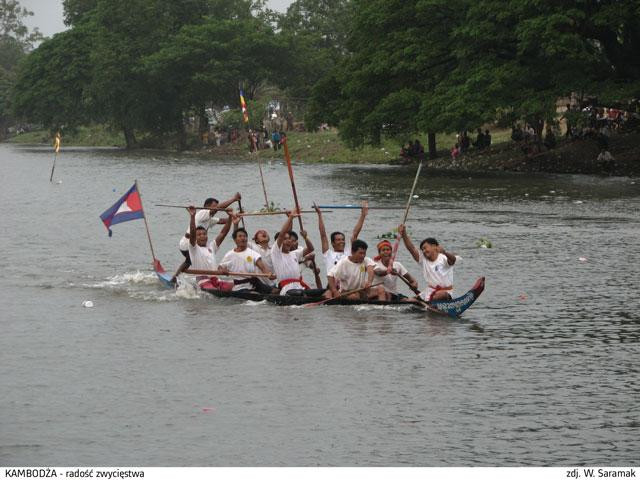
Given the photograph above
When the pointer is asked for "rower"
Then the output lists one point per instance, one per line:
(206, 219)
(355, 272)
(337, 251)
(245, 260)
(261, 245)
(286, 264)
(203, 253)
(391, 279)
(437, 266)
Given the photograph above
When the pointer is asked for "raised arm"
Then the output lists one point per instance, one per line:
(286, 227)
(324, 241)
(192, 226)
(225, 230)
(451, 258)
(226, 203)
(363, 214)
(407, 242)
(308, 245)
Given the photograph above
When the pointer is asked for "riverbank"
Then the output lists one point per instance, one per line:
(570, 156)
(576, 156)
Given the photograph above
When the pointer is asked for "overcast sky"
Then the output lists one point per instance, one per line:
(47, 14)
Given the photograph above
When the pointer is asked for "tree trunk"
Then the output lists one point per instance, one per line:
(431, 140)
(181, 137)
(129, 137)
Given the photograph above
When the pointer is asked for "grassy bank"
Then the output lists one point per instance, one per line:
(91, 136)
(326, 147)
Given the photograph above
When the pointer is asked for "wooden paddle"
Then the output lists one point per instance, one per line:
(197, 208)
(229, 274)
(342, 295)
(404, 219)
(279, 212)
(295, 199)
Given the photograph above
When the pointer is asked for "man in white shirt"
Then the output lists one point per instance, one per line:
(202, 253)
(338, 243)
(206, 218)
(355, 272)
(437, 266)
(245, 260)
(286, 262)
(390, 279)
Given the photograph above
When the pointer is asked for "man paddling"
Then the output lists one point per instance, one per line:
(390, 279)
(245, 260)
(338, 243)
(355, 272)
(202, 253)
(437, 266)
(206, 219)
(261, 245)
(286, 261)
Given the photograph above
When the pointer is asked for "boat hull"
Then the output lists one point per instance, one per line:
(452, 308)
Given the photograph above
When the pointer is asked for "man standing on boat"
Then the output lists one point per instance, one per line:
(286, 261)
(390, 279)
(437, 266)
(355, 272)
(206, 218)
(203, 253)
(337, 251)
(245, 260)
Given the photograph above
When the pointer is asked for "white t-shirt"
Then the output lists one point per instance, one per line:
(265, 254)
(390, 281)
(331, 257)
(203, 258)
(286, 266)
(203, 219)
(244, 261)
(437, 274)
(350, 275)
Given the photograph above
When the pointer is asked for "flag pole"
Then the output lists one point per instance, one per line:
(56, 147)
(146, 225)
(253, 147)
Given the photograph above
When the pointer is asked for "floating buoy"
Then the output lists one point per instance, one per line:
(578, 202)
(583, 259)
(87, 304)
(416, 196)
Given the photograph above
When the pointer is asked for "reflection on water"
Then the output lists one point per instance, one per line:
(542, 370)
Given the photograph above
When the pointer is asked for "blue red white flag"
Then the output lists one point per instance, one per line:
(129, 207)
(243, 105)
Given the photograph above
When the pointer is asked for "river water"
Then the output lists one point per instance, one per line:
(542, 370)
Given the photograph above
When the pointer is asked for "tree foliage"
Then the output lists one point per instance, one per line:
(435, 65)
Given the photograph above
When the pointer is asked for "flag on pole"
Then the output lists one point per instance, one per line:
(56, 143)
(129, 207)
(243, 104)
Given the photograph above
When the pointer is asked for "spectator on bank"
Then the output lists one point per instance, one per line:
(275, 139)
(455, 151)
(549, 138)
(480, 140)
(487, 139)
(417, 150)
(516, 133)
(465, 142)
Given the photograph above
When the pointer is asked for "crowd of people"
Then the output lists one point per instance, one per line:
(464, 143)
(350, 273)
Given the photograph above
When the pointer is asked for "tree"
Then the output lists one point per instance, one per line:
(52, 81)
(15, 41)
(204, 64)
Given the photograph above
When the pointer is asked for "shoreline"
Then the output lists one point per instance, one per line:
(577, 156)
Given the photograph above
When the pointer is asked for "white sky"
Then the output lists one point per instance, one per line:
(47, 14)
